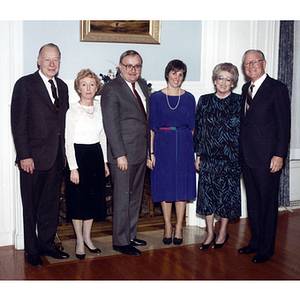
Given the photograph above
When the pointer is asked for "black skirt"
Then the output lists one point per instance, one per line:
(86, 200)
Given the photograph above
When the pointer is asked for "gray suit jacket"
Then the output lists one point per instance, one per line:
(125, 125)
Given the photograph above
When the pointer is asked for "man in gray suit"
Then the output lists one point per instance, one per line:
(125, 108)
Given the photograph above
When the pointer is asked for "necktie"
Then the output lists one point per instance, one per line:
(54, 94)
(249, 97)
(139, 100)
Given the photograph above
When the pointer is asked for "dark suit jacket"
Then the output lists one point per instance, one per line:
(265, 130)
(125, 125)
(36, 126)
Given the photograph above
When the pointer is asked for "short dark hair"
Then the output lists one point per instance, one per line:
(129, 52)
(175, 65)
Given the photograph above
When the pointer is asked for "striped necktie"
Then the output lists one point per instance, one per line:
(54, 94)
(249, 97)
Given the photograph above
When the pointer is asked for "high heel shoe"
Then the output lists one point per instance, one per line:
(167, 241)
(206, 246)
(177, 241)
(219, 246)
(79, 256)
(97, 250)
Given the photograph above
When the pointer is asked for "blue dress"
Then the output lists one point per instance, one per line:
(216, 141)
(173, 177)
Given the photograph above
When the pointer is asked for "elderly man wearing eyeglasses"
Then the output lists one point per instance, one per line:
(125, 109)
(264, 139)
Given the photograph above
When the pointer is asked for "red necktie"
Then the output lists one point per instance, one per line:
(139, 100)
(54, 94)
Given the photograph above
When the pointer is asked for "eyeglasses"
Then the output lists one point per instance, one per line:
(130, 67)
(228, 79)
(254, 62)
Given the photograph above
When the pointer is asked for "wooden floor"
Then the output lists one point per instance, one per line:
(179, 263)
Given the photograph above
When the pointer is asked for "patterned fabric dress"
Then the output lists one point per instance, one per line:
(216, 141)
(174, 176)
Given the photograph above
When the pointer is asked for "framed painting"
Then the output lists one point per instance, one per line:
(139, 32)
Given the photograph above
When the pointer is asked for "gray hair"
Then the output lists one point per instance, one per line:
(130, 52)
(254, 50)
(50, 45)
(229, 67)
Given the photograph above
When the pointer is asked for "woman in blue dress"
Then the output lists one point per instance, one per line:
(172, 120)
(216, 143)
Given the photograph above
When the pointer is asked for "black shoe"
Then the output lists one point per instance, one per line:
(246, 250)
(206, 246)
(260, 258)
(33, 260)
(167, 241)
(97, 250)
(56, 253)
(127, 250)
(219, 246)
(178, 241)
(137, 242)
(80, 256)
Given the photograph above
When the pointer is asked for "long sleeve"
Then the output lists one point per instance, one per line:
(83, 126)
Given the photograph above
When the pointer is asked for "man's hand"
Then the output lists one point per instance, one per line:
(27, 165)
(276, 164)
(122, 163)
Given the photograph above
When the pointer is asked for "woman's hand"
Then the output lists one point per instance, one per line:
(197, 163)
(151, 162)
(74, 176)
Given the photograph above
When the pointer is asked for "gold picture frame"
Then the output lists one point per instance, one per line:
(114, 31)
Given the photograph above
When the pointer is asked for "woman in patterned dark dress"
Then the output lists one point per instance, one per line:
(216, 143)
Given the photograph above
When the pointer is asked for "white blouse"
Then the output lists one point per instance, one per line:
(84, 126)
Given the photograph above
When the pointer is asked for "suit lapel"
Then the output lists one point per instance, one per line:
(43, 92)
(259, 96)
(130, 95)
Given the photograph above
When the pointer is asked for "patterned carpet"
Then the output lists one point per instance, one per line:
(191, 235)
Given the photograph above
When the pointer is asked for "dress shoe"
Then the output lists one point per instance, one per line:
(56, 253)
(167, 241)
(219, 246)
(260, 258)
(206, 246)
(246, 250)
(80, 256)
(127, 250)
(33, 260)
(97, 250)
(178, 241)
(137, 242)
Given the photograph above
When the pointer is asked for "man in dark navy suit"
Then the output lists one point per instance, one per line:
(38, 108)
(264, 140)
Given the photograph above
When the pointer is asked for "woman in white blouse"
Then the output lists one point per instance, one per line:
(86, 155)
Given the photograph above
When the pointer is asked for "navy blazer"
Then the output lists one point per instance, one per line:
(124, 122)
(265, 130)
(36, 126)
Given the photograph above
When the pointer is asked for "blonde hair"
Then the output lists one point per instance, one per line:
(83, 74)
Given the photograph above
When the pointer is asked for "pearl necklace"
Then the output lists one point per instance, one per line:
(172, 108)
(90, 113)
